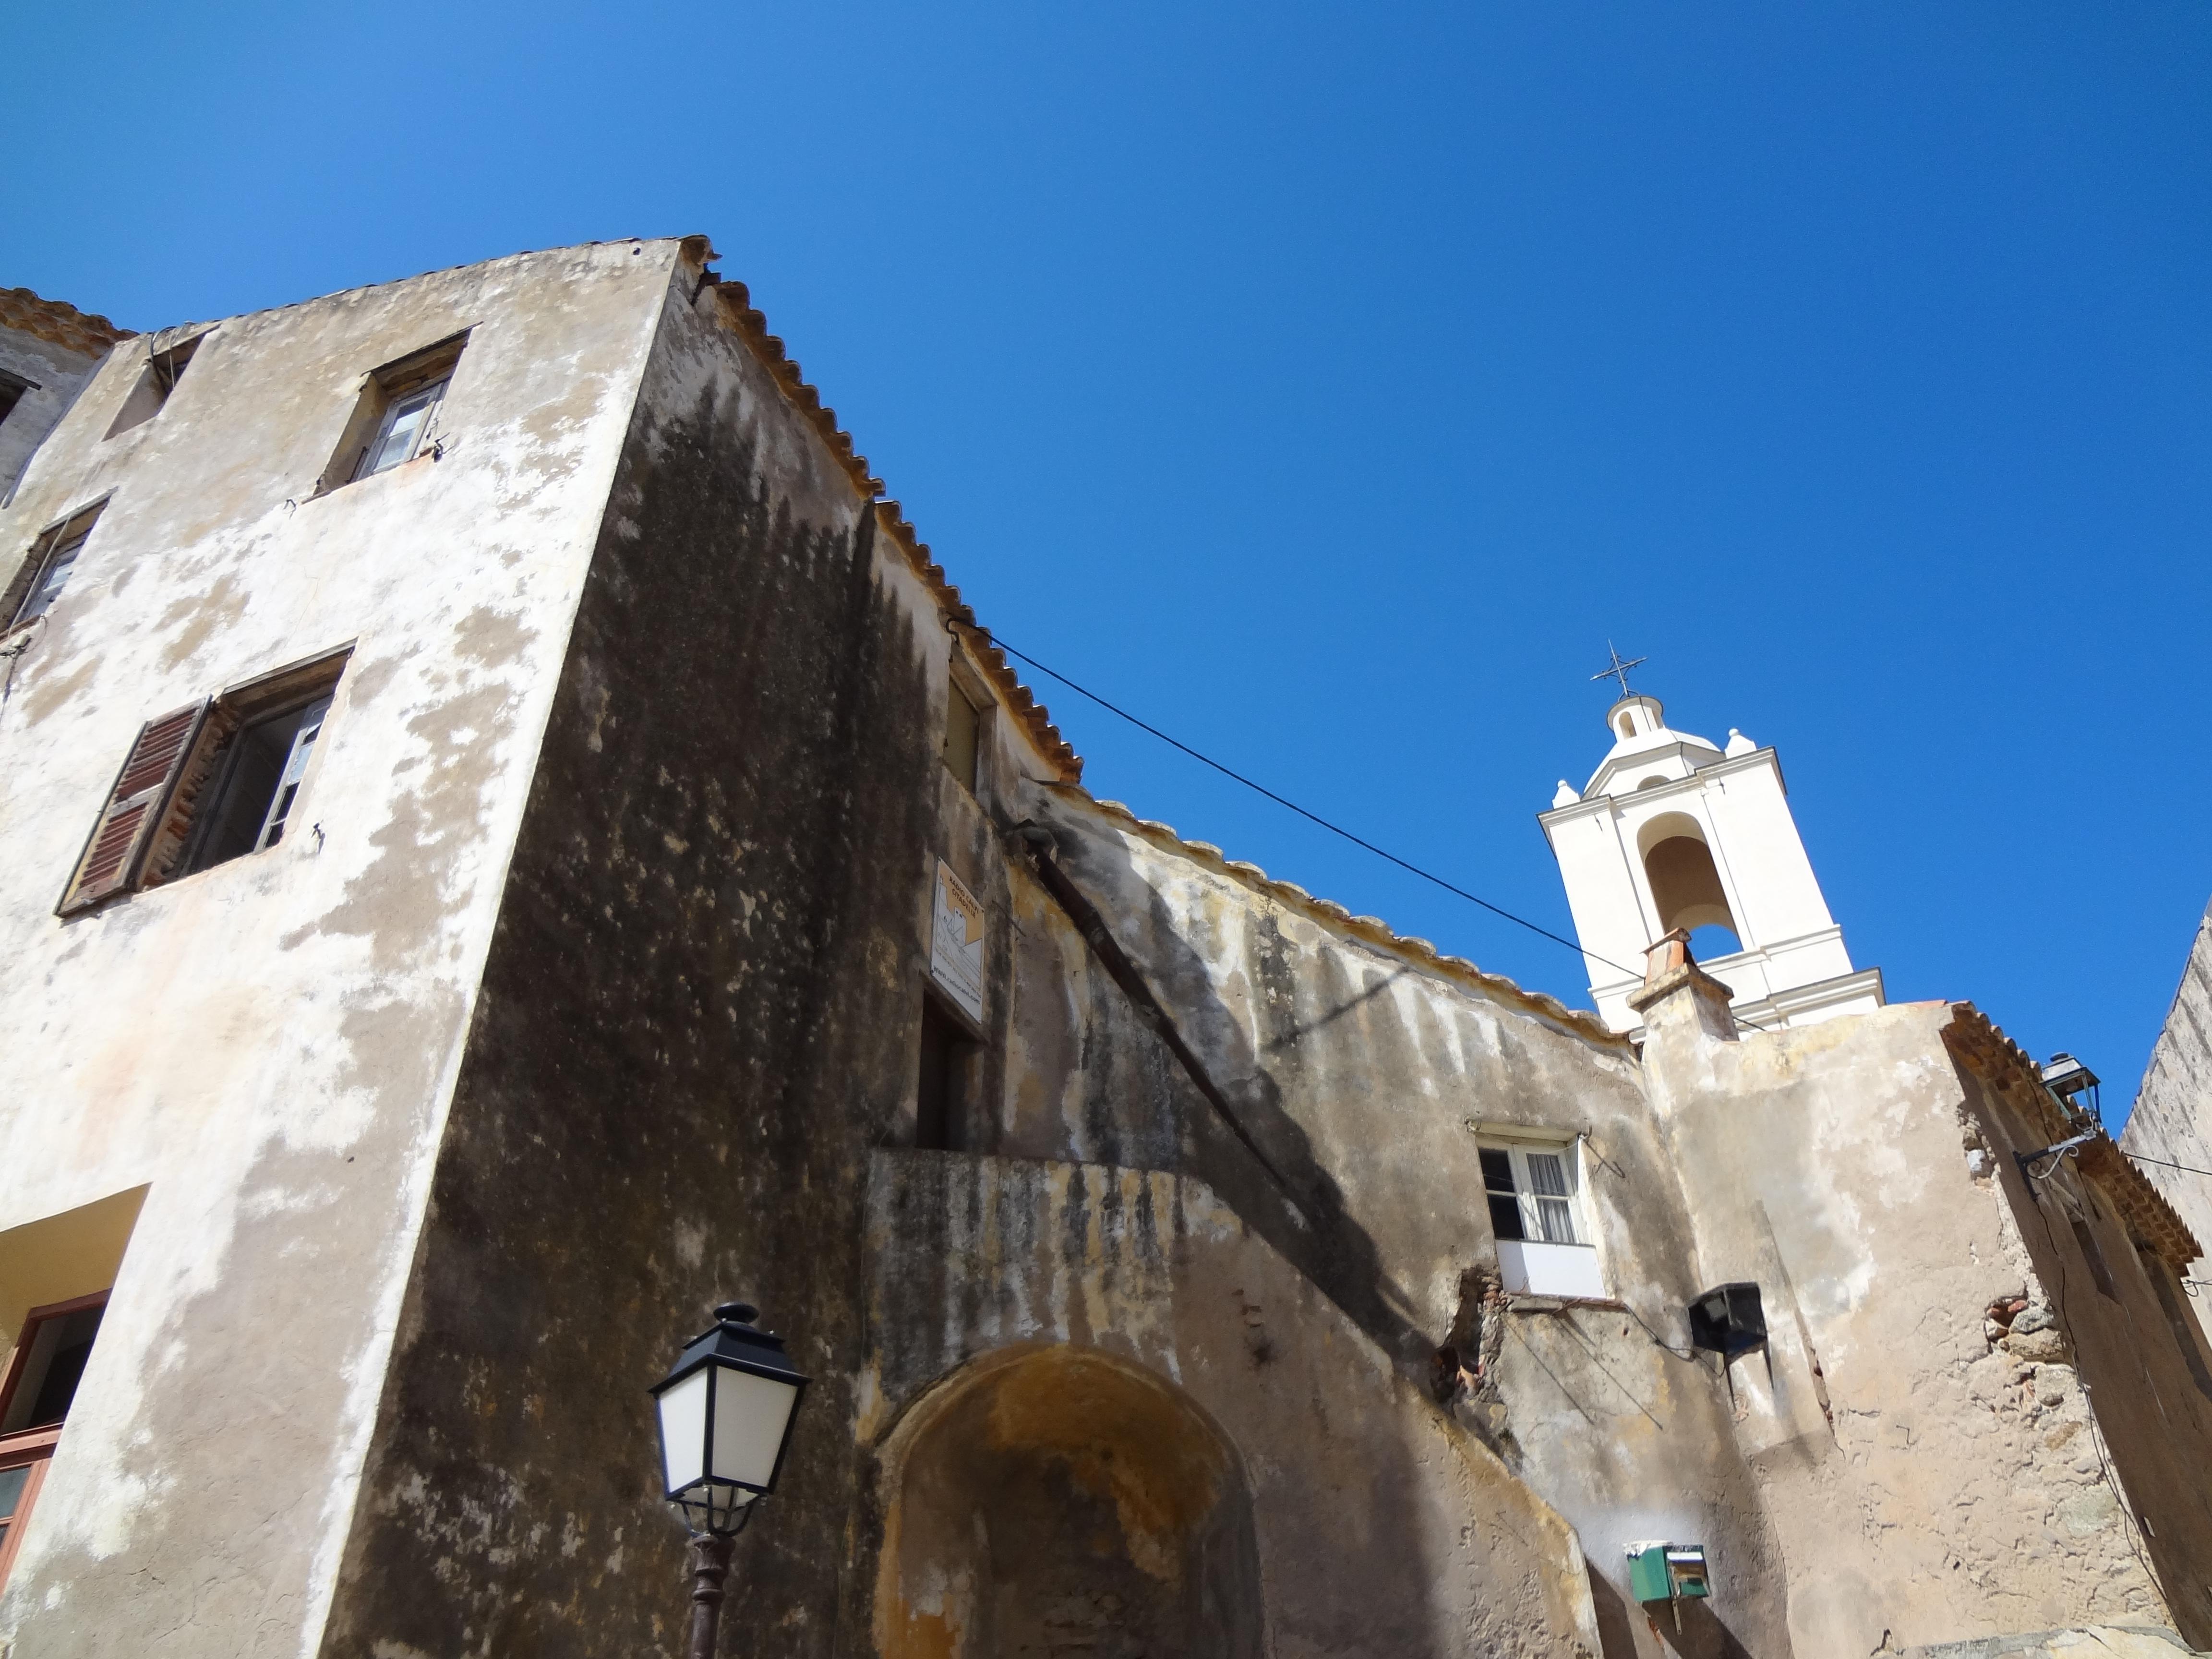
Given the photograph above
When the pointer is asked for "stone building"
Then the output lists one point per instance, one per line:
(2172, 1122)
(527, 842)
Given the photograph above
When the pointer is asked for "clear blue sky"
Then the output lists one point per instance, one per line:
(1330, 384)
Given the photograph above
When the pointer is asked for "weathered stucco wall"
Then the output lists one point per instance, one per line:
(1361, 1065)
(2173, 1114)
(599, 999)
(1860, 1173)
(696, 1021)
(266, 1046)
(1382, 1527)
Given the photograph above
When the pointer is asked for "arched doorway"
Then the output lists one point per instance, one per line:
(1058, 1502)
(1686, 885)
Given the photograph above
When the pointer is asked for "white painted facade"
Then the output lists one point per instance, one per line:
(1656, 789)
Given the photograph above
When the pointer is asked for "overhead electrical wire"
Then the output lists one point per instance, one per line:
(1312, 816)
(1385, 853)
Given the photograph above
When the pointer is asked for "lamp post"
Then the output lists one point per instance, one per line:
(727, 1408)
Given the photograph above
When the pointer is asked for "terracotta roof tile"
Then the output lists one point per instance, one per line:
(752, 326)
(57, 323)
(2003, 1065)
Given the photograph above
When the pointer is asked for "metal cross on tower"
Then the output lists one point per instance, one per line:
(1619, 669)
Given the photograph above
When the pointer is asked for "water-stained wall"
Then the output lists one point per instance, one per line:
(266, 1047)
(592, 994)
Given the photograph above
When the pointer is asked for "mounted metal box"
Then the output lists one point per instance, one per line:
(1667, 1572)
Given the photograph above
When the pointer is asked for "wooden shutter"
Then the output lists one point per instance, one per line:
(117, 843)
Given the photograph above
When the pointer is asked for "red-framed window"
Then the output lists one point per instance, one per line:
(36, 1391)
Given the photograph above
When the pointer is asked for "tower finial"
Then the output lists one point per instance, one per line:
(1619, 670)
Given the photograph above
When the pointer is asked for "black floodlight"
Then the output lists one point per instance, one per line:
(727, 1410)
(1728, 1321)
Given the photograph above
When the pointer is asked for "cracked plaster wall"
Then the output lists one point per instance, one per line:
(1928, 1479)
(268, 1045)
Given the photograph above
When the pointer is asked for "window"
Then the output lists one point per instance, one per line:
(12, 388)
(42, 575)
(401, 433)
(2086, 1241)
(260, 783)
(397, 418)
(2177, 1317)
(156, 381)
(49, 1362)
(207, 783)
(940, 1104)
(37, 1390)
(1544, 1245)
(963, 731)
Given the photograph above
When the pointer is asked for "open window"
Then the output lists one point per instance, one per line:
(12, 388)
(44, 573)
(1545, 1246)
(39, 1387)
(396, 419)
(207, 783)
(156, 380)
(55, 1277)
(943, 1106)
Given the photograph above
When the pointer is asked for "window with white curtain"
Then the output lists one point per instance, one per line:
(1546, 1245)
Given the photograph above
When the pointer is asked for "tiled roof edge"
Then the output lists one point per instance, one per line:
(1371, 931)
(752, 326)
(2004, 1066)
(57, 322)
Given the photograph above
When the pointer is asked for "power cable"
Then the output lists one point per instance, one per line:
(1311, 816)
(2187, 1168)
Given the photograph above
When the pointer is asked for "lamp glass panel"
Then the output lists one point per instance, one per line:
(750, 1415)
(683, 1429)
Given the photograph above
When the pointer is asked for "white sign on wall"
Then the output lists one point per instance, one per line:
(956, 943)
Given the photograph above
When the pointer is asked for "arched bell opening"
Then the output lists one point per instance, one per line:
(1061, 1500)
(1686, 885)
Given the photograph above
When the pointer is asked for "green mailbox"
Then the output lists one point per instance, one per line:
(1666, 1572)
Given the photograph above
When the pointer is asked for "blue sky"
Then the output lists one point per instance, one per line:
(1329, 384)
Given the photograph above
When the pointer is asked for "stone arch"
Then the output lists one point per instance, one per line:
(1685, 884)
(1058, 1500)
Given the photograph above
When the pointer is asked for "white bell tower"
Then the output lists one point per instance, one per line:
(1672, 832)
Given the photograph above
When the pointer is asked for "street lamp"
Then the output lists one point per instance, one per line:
(727, 1408)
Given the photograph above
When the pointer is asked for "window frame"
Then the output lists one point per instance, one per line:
(171, 825)
(30, 575)
(32, 1448)
(429, 398)
(1529, 1197)
(381, 396)
(14, 388)
(1578, 1272)
(222, 769)
(962, 681)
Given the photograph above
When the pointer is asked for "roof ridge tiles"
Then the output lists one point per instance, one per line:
(752, 326)
(2005, 1066)
(57, 322)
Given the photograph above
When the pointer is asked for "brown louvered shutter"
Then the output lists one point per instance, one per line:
(133, 806)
